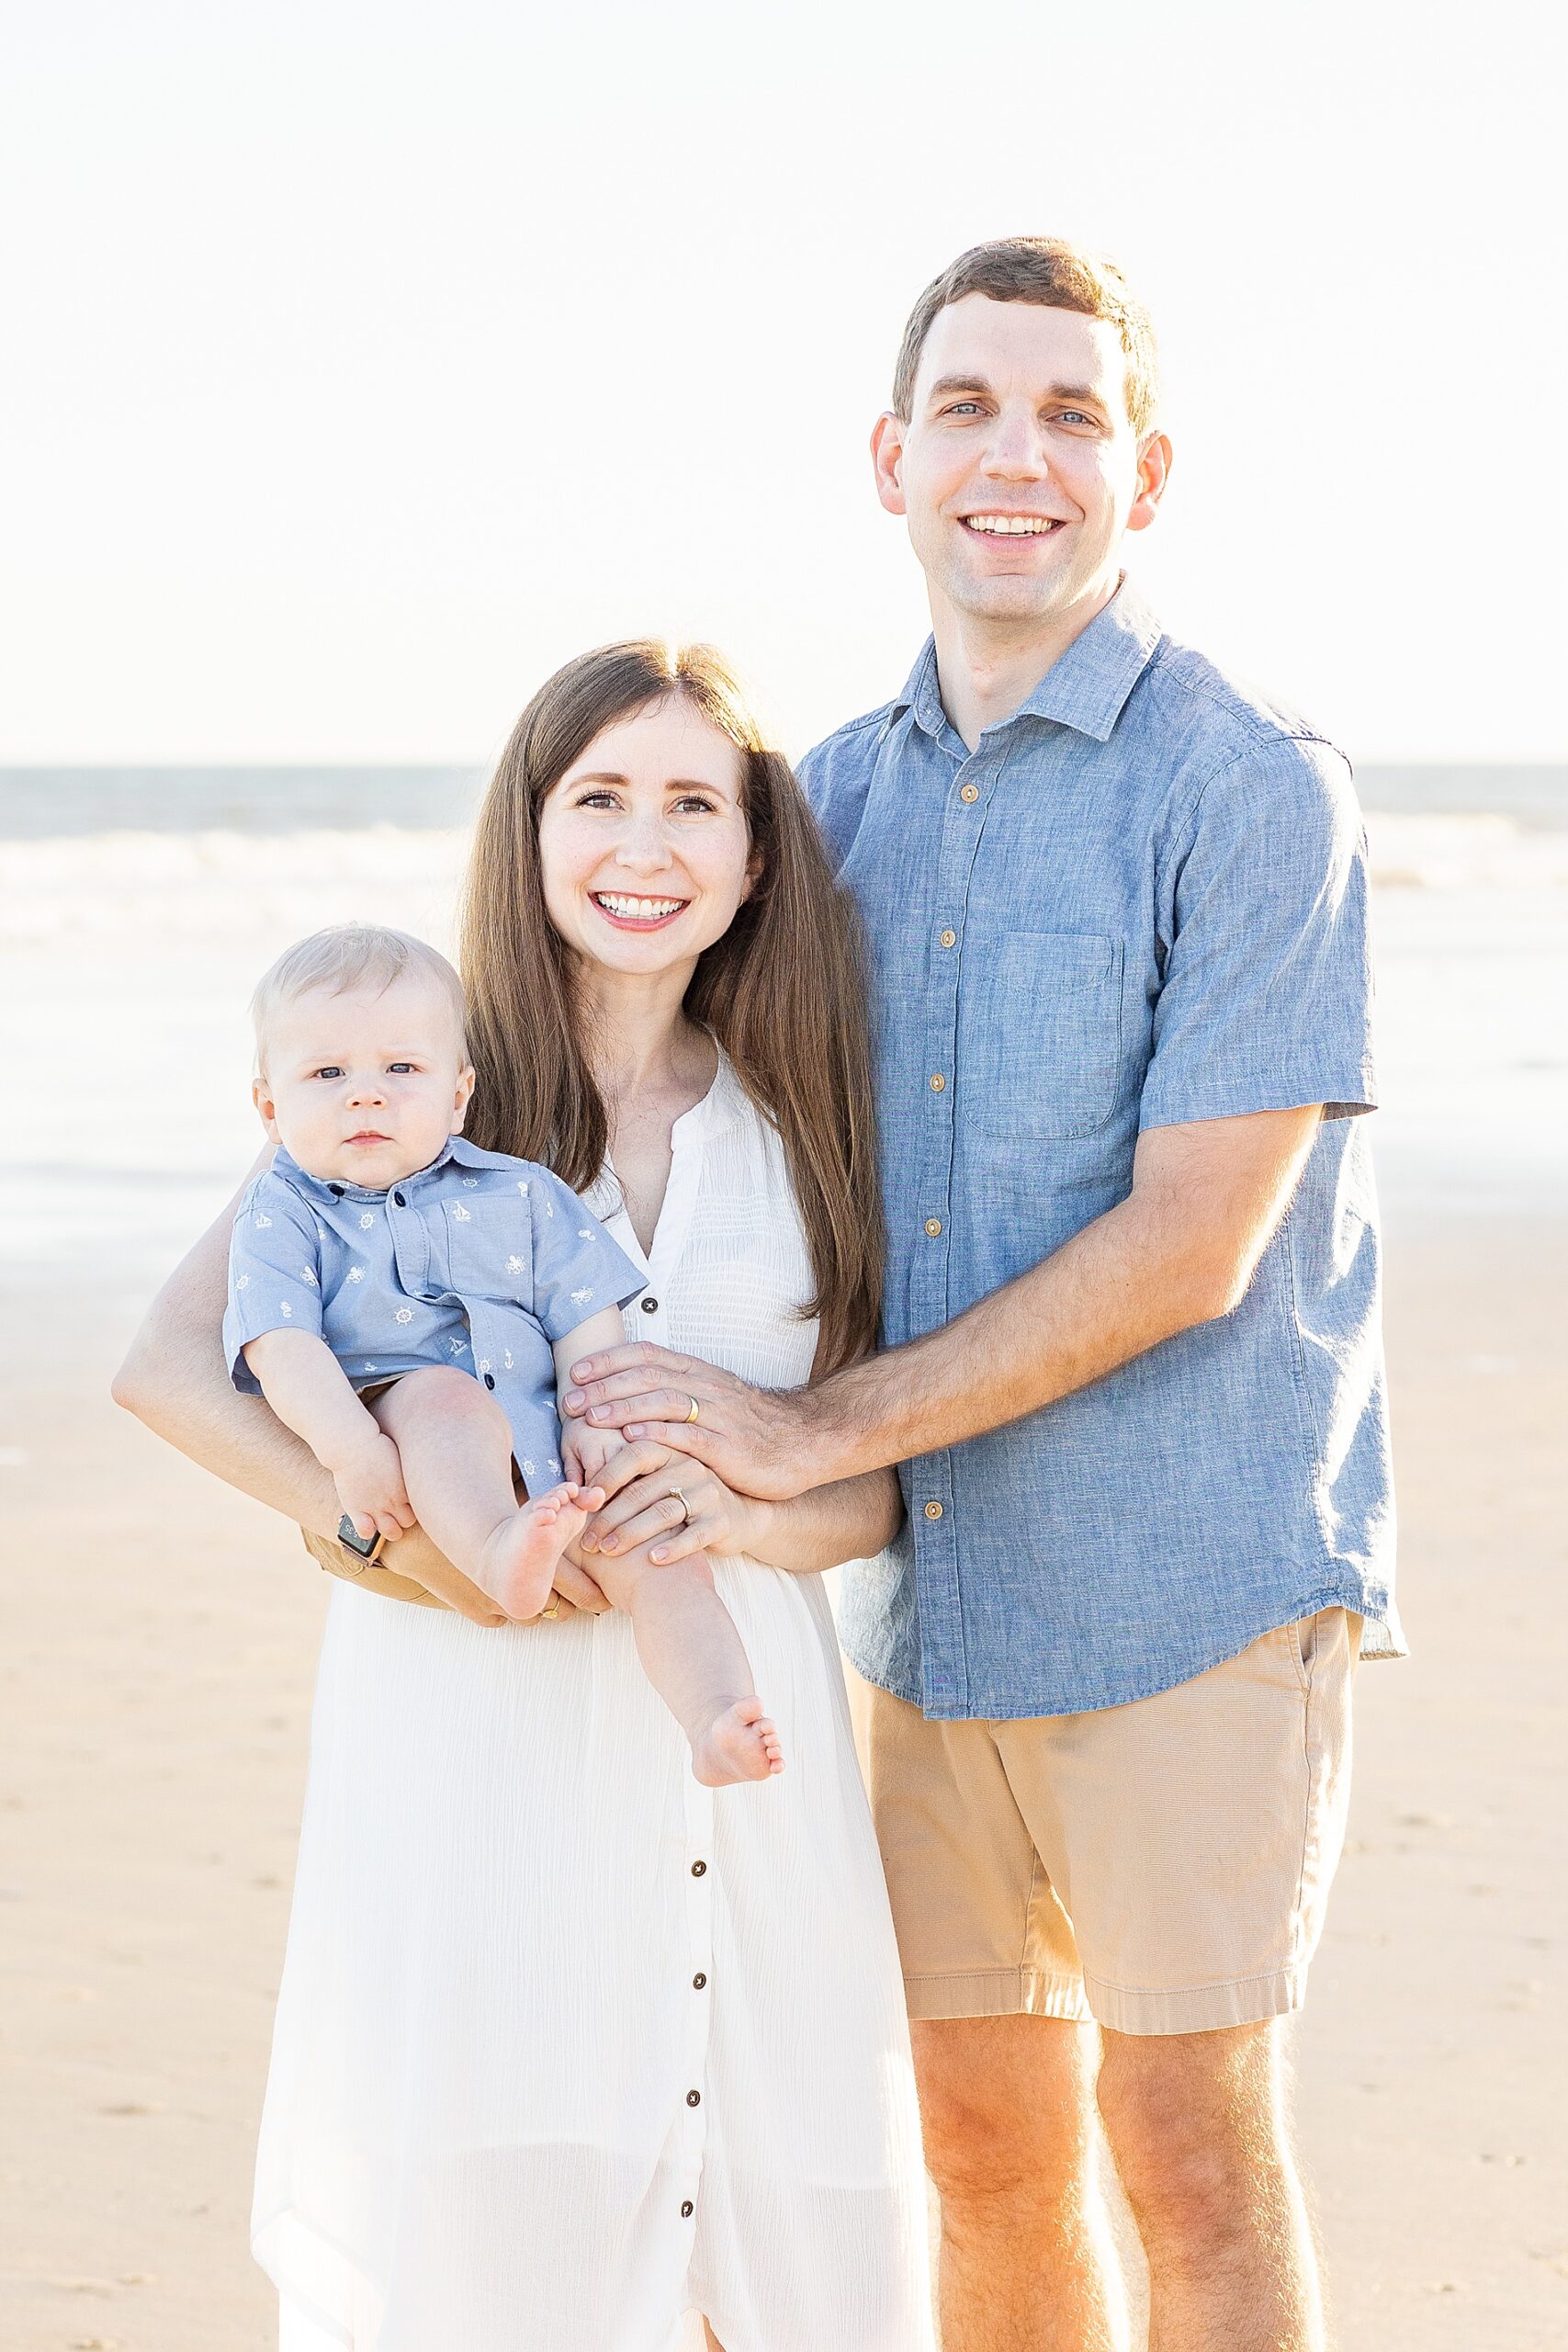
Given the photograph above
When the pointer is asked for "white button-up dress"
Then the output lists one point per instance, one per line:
(567, 2046)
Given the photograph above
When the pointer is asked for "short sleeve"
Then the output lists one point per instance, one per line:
(275, 1273)
(1266, 999)
(578, 1269)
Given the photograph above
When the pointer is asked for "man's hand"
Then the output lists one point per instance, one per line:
(369, 1483)
(760, 1440)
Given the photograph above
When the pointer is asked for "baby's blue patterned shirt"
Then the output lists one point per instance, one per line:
(478, 1260)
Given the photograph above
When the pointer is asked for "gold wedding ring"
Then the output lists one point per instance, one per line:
(554, 1609)
(696, 1413)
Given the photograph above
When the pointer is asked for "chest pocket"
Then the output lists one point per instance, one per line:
(1039, 1036)
(490, 1247)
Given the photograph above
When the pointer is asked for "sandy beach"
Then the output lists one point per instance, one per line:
(160, 1632)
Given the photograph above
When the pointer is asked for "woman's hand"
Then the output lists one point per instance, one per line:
(669, 1503)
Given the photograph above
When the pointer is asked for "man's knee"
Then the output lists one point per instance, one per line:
(1005, 2108)
(1194, 2126)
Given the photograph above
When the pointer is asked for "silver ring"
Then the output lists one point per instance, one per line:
(685, 1506)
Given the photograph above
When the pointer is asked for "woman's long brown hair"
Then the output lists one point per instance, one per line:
(784, 991)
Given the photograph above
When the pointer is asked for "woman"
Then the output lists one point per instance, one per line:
(566, 2045)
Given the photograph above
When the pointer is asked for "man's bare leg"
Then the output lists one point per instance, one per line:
(1197, 2123)
(1007, 2107)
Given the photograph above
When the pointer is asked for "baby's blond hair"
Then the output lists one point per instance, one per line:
(352, 955)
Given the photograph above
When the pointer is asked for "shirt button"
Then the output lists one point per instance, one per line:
(650, 1306)
(698, 1980)
(698, 1869)
(489, 1380)
(934, 1510)
(949, 938)
(968, 792)
(938, 1083)
(934, 1226)
(399, 1199)
(693, 2099)
(687, 2210)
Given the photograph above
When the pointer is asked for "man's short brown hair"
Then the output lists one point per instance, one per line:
(1059, 276)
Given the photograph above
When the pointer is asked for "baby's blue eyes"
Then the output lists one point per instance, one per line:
(334, 1070)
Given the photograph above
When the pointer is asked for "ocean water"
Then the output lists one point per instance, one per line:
(138, 909)
(39, 803)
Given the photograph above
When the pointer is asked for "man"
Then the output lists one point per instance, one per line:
(1116, 905)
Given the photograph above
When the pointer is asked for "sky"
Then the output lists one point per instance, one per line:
(366, 361)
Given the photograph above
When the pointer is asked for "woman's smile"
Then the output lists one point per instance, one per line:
(628, 910)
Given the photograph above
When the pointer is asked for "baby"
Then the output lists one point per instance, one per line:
(409, 1305)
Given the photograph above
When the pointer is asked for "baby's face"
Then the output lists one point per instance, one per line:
(365, 1088)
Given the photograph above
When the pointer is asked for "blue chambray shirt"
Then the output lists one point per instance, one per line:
(478, 1260)
(1142, 900)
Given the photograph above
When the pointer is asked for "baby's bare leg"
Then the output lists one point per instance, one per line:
(696, 1661)
(455, 1443)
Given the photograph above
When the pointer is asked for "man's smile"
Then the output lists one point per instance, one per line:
(993, 524)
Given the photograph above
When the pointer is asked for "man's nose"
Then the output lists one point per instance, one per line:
(1016, 450)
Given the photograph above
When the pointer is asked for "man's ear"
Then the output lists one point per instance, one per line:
(1155, 460)
(888, 460)
(266, 1110)
(463, 1097)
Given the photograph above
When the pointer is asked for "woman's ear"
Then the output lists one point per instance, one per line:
(754, 874)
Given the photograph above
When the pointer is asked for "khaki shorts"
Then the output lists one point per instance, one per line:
(1162, 1867)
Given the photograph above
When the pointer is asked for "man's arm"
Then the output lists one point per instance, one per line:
(176, 1380)
(1179, 1251)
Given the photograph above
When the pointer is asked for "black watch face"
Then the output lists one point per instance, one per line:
(362, 1547)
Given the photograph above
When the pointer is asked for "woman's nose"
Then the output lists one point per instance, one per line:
(644, 849)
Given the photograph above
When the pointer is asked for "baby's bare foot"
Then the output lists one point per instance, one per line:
(741, 1744)
(518, 1564)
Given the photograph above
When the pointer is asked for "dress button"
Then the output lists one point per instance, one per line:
(687, 2210)
(650, 1306)
(934, 1226)
(489, 1380)
(698, 1869)
(399, 1199)
(693, 2099)
(950, 938)
(934, 1510)
(698, 1980)
(969, 792)
(938, 1083)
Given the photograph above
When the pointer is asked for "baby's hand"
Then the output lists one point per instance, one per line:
(370, 1488)
(585, 1451)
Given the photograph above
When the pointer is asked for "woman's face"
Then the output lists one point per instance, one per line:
(644, 844)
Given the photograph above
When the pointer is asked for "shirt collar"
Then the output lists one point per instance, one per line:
(1085, 688)
(457, 1150)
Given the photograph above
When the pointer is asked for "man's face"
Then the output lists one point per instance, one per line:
(1018, 468)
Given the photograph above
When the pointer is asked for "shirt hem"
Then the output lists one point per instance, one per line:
(1382, 1637)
